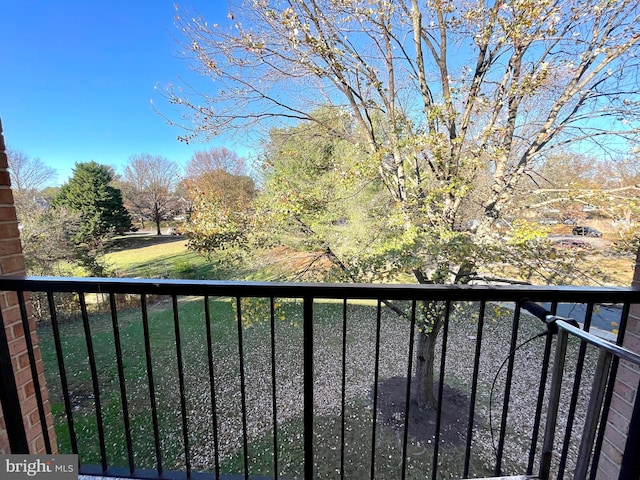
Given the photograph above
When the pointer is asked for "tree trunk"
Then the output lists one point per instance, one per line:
(156, 217)
(422, 388)
(432, 315)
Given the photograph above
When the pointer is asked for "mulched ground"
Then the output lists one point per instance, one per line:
(422, 423)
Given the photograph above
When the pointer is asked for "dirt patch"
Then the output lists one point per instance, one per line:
(422, 424)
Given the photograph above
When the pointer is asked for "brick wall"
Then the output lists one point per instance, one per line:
(12, 263)
(624, 396)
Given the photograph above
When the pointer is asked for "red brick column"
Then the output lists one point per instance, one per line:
(12, 263)
(624, 396)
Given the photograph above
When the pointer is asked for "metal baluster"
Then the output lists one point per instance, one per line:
(405, 438)
(121, 379)
(94, 380)
(62, 372)
(152, 390)
(624, 317)
(507, 390)
(35, 378)
(274, 403)
(474, 389)
(574, 395)
(245, 446)
(544, 373)
(308, 387)
(436, 446)
(592, 416)
(554, 403)
(183, 398)
(344, 385)
(375, 390)
(212, 386)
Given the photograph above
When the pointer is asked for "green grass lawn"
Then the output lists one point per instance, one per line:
(360, 343)
(164, 365)
(288, 333)
(147, 255)
(166, 256)
(153, 256)
(143, 255)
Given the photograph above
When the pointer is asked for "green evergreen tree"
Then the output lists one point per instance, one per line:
(102, 213)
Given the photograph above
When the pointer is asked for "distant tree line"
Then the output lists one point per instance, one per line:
(64, 228)
(219, 205)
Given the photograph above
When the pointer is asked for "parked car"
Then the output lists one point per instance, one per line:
(571, 243)
(586, 231)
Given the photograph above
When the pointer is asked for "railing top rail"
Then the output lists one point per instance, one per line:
(322, 290)
(616, 350)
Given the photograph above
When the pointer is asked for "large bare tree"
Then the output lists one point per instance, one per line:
(28, 177)
(214, 159)
(220, 194)
(441, 93)
(149, 183)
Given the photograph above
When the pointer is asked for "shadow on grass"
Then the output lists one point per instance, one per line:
(356, 454)
(178, 266)
(131, 241)
(422, 423)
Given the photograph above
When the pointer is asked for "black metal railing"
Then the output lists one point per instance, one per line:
(609, 357)
(182, 379)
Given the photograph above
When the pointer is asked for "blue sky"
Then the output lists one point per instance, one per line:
(77, 78)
